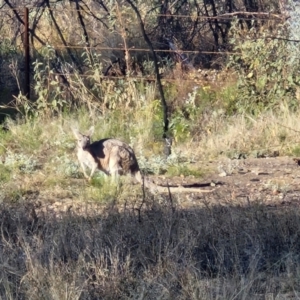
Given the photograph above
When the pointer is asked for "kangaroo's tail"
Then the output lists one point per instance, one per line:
(154, 188)
(145, 182)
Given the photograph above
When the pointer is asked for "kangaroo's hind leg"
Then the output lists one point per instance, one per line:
(84, 170)
(93, 169)
(115, 167)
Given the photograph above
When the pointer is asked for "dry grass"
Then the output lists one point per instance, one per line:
(165, 253)
(230, 136)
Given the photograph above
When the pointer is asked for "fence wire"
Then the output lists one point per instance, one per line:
(46, 32)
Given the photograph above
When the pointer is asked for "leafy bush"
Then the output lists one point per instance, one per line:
(267, 64)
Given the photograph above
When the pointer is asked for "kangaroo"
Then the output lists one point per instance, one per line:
(114, 157)
(111, 156)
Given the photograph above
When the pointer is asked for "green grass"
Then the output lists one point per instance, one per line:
(295, 151)
(5, 174)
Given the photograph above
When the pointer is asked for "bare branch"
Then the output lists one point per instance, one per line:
(160, 88)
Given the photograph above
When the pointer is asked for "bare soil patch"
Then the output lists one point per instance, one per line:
(274, 181)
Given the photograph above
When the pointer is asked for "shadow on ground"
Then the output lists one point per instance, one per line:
(156, 250)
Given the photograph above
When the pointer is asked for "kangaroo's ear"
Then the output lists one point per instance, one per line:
(76, 133)
(91, 131)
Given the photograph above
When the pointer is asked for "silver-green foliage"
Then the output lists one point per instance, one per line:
(66, 166)
(24, 163)
(175, 163)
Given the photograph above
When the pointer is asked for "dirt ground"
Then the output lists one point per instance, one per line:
(275, 181)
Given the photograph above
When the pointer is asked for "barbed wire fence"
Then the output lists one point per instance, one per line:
(30, 33)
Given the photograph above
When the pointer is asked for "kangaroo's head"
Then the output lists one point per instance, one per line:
(83, 140)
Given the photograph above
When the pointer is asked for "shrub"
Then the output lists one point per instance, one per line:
(267, 66)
